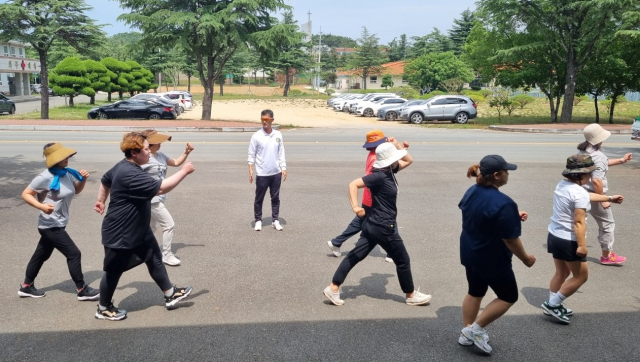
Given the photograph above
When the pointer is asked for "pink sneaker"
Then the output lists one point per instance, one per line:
(613, 259)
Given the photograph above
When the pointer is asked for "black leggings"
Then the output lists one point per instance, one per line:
(390, 241)
(505, 286)
(117, 261)
(55, 238)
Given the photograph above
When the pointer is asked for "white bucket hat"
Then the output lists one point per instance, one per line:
(387, 154)
(594, 134)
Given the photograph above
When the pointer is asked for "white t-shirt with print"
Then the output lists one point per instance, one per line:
(157, 168)
(567, 197)
(61, 199)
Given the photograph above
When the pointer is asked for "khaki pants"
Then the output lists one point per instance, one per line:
(606, 225)
(160, 217)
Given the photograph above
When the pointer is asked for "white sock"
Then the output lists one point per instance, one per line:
(551, 294)
(169, 292)
(476, 327)
(557, 299)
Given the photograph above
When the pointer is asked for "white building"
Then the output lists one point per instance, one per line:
(15, 68)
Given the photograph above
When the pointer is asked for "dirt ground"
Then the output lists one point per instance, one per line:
(262, 91)
(295, 112)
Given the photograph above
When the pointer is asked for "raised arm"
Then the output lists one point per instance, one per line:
(405, 161)
(175, 162)
(79, 186)
(170, 183)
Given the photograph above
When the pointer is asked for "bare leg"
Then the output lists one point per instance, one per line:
(470, 309)
(580, 272)
(562, 273)
(493, 311)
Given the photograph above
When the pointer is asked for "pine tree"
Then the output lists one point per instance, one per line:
(368, 57)
(461, 29)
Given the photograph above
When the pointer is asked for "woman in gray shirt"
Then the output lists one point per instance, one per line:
(51, 192)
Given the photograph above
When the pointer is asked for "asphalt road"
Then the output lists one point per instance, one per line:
(258, 296)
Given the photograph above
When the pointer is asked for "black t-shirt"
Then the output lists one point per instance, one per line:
(126, 224)
(384, 192)
(488, 217)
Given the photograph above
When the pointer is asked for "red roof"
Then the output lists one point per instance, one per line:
(393, 68)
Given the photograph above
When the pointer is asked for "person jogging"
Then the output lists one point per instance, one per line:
(51, 192)
(157, 168)
(126, 233)
(490, 237)
(380, 227)
(566, 240)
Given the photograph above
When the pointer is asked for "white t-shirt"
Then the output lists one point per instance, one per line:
(157, 168)
(61, 199)
(567, 197)
(266, 151)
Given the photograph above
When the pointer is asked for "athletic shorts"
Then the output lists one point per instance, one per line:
(563, 249)
(502, 283)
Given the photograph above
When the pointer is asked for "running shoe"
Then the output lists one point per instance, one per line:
(418, 298)
(613, 259)
(334, 297)
(30, 291)
(464, 341)
(568, 312)
(112, 313)
(479, 338)
(171, 260)
(335, 250)
(88, 293)
(276, 225)
(258, 226)
(178, 295)
(557, 312)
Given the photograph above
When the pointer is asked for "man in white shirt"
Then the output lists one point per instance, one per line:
(266, 151)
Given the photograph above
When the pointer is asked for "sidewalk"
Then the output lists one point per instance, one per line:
(565, 128)
(129, 125)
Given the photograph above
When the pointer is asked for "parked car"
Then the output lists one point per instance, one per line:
(133, 108)
(363, 102)
(339, 104)
(337, 97)
(160, 99)
(7, 105)
(370, 109)
(391, 113)
(635, 129)
(186, 101)
(459, 109)
(353, 105)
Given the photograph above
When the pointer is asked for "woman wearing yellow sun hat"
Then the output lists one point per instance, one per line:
(51, 192)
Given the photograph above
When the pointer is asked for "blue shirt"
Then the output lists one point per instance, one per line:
(488, 217)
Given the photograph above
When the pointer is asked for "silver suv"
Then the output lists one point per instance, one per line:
(457, 108)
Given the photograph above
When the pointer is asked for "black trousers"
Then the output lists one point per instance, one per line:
(117, 261)
(354, 227)
(262, 184)
(55, 238)
(389, 239)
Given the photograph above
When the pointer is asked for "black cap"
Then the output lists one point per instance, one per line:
(495, 163)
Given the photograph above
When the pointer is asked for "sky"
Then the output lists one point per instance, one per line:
(385, 18)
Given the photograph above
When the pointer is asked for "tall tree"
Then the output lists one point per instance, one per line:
(334, 41)
(368, 57)
(574, 30)
(283, 47)
(434, 42)
(397, 48)
(40, 23)
(428, 71)
(212, 30)
(461, 29)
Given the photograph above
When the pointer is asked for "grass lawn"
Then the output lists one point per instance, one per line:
(78, 111)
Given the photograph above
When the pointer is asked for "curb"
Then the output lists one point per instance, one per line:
(127, 129)
(552, 130)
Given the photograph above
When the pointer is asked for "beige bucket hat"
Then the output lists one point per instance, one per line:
(594, 134)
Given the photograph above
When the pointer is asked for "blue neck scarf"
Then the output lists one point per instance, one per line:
(57, 172)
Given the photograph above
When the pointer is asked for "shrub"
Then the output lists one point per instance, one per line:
(406, 92)
(295, 93)
(476, 87)
(511, 106)
(523, 100)
(485, 92)
(577, 100)
(329, 92)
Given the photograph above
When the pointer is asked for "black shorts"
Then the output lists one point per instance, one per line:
(563, 249)
(502, 283)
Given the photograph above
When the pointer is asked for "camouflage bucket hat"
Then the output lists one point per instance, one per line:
(578, 164)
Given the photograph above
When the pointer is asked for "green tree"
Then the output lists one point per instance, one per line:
(334, 41)
(368, 57)
(428, 71)
(115, 71)
(523, 100)
(283, 47)
(387, 81)
(461, 29)
(397, 48)
(69, 78)
(434, 42)
(97, 76)
(574, 30)
(40, 23)
(210, 30)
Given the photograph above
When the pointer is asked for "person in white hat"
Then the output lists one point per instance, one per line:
(594, 135)
(157, 168)
(380, 227)
(51, 192)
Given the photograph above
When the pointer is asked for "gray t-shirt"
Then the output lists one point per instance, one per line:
(157, 168)
(602, 166)
(60, 199)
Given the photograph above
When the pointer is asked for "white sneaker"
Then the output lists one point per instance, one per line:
(333, 297)
(388, 260)
(276, 225)
(479, 338)
(258, 226)
(418, 298)
(334, 249)
(464, 341)
(170, 259)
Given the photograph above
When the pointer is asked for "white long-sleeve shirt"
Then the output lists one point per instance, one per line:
(266, 151)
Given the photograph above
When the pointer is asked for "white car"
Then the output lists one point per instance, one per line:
(339, 104)
(184, 98)
(375, 98)
(370, 109)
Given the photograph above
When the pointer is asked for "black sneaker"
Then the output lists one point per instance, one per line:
(30, 291)
(88, 293)
(112, 313)
(178, 295)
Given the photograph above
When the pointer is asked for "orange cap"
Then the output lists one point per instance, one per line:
(374, 139)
